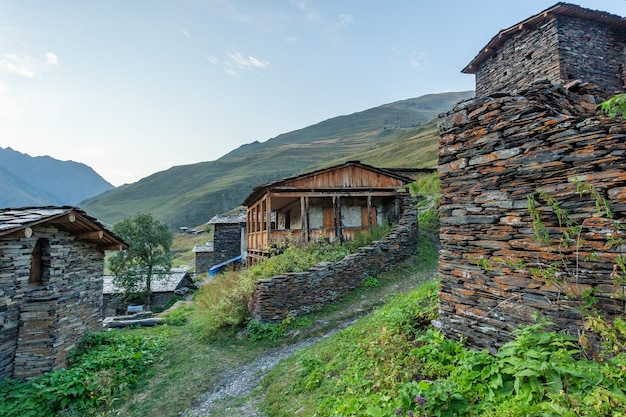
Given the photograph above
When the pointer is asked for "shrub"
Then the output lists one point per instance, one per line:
(103, 368)
(223, 302)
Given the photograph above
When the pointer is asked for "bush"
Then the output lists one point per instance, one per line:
(103, 368)
(223, 302)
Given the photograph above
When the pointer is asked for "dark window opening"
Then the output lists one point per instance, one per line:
(288, 220)
(40, 263)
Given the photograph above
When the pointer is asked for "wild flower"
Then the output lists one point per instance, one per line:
(420, 400)
(399, 412)
(410, 413)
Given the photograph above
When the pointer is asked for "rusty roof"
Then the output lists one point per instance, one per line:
(559, 9)
(261, 189)
(19, 221)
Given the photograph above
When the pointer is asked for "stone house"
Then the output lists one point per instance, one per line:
(163, 288)
(334, 203)
(562, 43)
(532, 131)
(51, 264)
(228, 242)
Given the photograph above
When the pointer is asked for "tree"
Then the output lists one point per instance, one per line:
(148, 255)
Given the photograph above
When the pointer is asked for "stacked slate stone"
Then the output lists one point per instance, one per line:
(494, 152)
(39, 325)
(301, 293)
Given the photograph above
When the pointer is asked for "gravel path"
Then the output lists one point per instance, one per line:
(239, 383)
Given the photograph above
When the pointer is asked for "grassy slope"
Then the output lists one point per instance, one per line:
(190, 195)
(192, 365)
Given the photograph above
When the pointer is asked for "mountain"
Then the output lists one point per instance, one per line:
(394, 135)
(42, 180)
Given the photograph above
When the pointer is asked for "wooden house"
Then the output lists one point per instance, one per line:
(333, 203)
(563, 43)
(163, 288)
(51, 265)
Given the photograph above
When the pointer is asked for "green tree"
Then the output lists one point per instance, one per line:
(148, 255)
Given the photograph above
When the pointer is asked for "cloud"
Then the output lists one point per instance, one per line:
(185, 34)
(249, 62)
(27, 66)
(238, 62)
(345, 20)
(52, 59)
(415, 59)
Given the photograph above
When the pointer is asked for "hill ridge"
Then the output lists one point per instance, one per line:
(189, 195)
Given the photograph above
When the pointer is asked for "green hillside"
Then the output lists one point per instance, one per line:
(393, 135)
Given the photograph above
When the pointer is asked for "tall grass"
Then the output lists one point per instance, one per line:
(223, 302)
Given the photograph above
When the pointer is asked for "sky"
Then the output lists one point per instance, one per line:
(134, 87)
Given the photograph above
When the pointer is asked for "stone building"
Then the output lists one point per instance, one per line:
(228, 242)
(562, 43)
(533, 131)
(51, 265)
(163, 288)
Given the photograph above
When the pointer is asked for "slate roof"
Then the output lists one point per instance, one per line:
(559, 9)
(207, 247)
(164, 283)
(70, 219)
(236, 218)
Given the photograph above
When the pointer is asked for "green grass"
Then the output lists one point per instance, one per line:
(192, 364)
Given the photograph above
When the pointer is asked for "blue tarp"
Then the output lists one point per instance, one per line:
(215, 269)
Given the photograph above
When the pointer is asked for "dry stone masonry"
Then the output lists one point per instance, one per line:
(563, 43)
(494, 152)
(300, 293)
(40, 324)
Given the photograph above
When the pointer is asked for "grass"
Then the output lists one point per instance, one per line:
(182, 246)
(192, 363)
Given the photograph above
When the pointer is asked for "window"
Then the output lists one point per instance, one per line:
(40, 263)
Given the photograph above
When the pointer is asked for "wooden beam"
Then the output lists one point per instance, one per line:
(99, 234)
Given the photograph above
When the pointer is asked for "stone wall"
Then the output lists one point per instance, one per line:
(494, 152)
(524, 57)
(561, 49)
(40, 324)
(301, 293)
(226, 242)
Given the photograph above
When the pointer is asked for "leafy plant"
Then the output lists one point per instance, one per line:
(102, 369)
(615, 106)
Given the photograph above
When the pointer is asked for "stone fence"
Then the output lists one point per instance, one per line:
(301, 293)
(494, 152)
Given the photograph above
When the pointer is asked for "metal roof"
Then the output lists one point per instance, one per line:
(19, 221)
(559, 9)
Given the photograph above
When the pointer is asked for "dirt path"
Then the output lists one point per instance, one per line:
(235, 393)
(239, 383)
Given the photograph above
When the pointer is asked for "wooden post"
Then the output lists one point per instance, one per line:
(369, 211)
(268, 214)
(307, 219)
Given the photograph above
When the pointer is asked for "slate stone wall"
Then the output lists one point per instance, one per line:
(204, 260)
(494, 152)
(561, 49)
(40, 324)
(297, 294)
(226, 242)
(524, 57)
